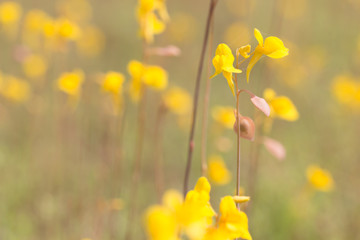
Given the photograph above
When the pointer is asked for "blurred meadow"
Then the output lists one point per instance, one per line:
(95, 115)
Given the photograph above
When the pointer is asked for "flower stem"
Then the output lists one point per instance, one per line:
(196, 95)
(206, 104)
(238, 153)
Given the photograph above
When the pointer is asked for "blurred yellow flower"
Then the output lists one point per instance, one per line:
(70, 82)
(237, 34)
(281, 106)
(161, 223)
(177, 100)
(233, 223)
(10, 12)
(217, 171)
(35, 20)
(15, 89)
(79, 11)
(135, 69)
(347, 91)
(272, 47)
(91, 41)
(150, 23)
(319, 179)
(35, 66)
(224, 115)
(67, 29)
(155, 77)
(113, 82)
(223, 63)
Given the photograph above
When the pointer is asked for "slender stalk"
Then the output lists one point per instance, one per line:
(158, 159)
(238, 152)
(196, 95)
(206, 104)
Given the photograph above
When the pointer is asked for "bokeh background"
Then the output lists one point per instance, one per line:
(66, 169)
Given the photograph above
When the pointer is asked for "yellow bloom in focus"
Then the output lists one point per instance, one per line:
(113, 82)
(10, 13)
(223, 63)
(347, 91)
(281, 106)
(232, 223)
(244, 51)
(177, 100)
(272, 47)
(35, 66)
(217, 171)
(320, 179)
(224, 116)
(91, 41)
(15, 89)
(70, 82)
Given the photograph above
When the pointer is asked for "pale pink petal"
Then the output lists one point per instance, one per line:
(169, 51)
(21, 53)
(275, 148)
(261, 104)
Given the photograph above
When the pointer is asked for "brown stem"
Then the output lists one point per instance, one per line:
(196, 96)
(158, 158)
(206, 104)
(238, 153)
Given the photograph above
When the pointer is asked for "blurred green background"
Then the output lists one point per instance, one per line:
(64, 176)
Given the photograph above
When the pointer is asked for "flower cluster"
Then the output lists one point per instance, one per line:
(193, 217)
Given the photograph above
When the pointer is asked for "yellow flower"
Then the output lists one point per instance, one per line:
(10, 13)
(35, 66)
(272, 47)
(217, 171)
(155, 77)
(113, 82)
(70, 82)
(15, 89)
(244, 51)
(67, 30)
(35, 20)
(223, 63)
(161, 224)
(347, 91)
(91, 41)
(233, 223)
(319, 179)
(150, 24)
(135, 69)
(224, 116)
(177, 100)
(281, 106)
(79, 11)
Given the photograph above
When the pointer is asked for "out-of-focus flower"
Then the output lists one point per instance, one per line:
(10, 14)
(224, 116)
(153, 76)
(91, 42)
(182, 28)
(79, 11)
(113, 82)
(35, 66)
(177, 100)
(281, 106)
(15, 89)
(272, 47)
(237, 34)
(217, 170)
(223, 63)
(292, 9)
(147, 15)
(319, 178)
(346, 89)
(34, 23)
(116, 204)
(67, 29)
(70, 82)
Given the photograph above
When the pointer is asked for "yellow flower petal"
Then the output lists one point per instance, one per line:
(275, 48)
(255, 58)
(259, 37)
(284, 108)
(202, 185)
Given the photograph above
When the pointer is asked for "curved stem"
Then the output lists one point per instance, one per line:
(196, 96)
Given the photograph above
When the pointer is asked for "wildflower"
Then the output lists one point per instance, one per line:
(113, 82)
(35, 66)
(224, 116)
(91, 42)
(347, 91)
(67, 29)
(217, 171)
(35, 20)
(281, 106)
(177, 100)
(70, 82)
(79, 11)
(233, 223)
(15, 89)
(272, 47)
(244, 51)
(319, 179)
(153, 76)
(10, 13)
(223, 63)
(237, 34)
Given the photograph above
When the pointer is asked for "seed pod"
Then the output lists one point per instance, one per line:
(247, 128)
